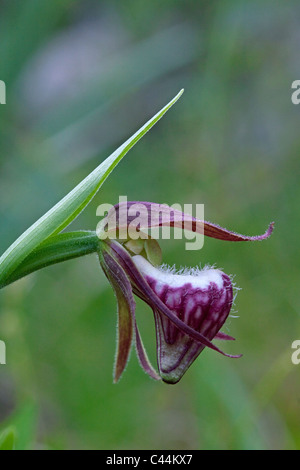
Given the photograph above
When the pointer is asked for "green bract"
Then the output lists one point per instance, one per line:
(62, 214)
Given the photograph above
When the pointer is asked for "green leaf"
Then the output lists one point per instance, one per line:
(56, 249)
(63, 213)
(7, 439)
(20, 430)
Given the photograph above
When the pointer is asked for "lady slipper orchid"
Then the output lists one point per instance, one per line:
(190, 307)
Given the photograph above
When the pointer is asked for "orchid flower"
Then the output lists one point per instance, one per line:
(189, 307)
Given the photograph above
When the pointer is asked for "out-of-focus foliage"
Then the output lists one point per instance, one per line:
(81, 77)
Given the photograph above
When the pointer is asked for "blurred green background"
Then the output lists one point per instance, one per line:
(81, 77)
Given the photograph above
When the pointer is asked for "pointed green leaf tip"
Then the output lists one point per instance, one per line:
(63, 213)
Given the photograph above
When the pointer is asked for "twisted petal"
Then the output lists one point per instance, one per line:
(152, 215)
(127, 326)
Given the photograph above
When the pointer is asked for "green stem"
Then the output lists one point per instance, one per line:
(56, 249)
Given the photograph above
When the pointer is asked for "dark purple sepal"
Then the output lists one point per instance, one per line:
(152, 214)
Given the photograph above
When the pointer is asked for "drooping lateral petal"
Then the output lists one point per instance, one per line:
(146, 293)
(142, 356)
(146, 215)
(126, 318)
(126, 308)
